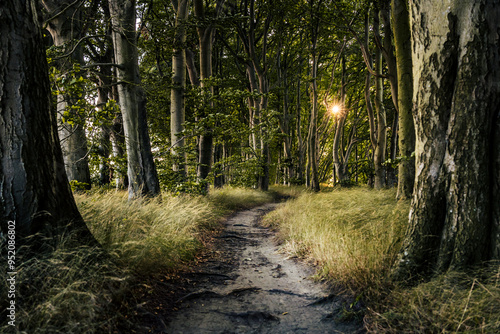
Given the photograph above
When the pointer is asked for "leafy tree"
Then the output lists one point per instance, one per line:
(65, 24)
(142, 175)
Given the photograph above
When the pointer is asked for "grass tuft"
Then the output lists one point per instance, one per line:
(231, 199)
(455, 302)
(147, 235)
(66, 290)
(353, 234)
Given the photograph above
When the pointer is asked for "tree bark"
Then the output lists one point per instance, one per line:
(406, 133)
(142, 176)
(35, 192)
(104, 137)
(313, 125)
(65, 28)
(339, 162)
(380, 149)
(453, 219)
(177, 99)
(206, 33)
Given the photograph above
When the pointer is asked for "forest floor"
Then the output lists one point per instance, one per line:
(243, 284)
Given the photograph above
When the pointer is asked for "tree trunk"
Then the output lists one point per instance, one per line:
(380, 149)
(300, 141)
(339, 164)
(104, 137)
(177, 99)
(117, 138)
(206, 33)
(312, 134)
(65, 28)
(406, 133)
(454, 212)
(141, 170)
(35, 192)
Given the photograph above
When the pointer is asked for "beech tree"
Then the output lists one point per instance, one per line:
(206, 33)
(64, 23)
(177, 99)
(35, 192)
(142, 176)
(454, 215)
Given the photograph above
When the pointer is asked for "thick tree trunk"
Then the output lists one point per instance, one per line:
(141, 170)
(406, 133)
(177, 99)
(456, 97)
(35, 192)
(65, 28)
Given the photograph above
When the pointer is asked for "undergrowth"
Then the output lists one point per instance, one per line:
(456, 302)
(354, 236)
(68, 289)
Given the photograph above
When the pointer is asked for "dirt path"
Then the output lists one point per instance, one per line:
(250, 288)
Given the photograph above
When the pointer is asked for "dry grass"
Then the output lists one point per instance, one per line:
(150, 234)
(229, 198)
(354, 235)
(67, 289)
(456, 302)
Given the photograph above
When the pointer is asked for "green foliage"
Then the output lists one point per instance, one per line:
(78, 186)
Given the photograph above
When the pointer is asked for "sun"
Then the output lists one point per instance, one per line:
(335, 109)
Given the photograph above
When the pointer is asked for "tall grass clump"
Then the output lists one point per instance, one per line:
(282, 191)
(65, 289)
(147, 235)
(455, 302)
(353, 234)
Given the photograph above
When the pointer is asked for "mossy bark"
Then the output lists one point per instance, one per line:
(406, 132)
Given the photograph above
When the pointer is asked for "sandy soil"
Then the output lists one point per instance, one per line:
(246, 286)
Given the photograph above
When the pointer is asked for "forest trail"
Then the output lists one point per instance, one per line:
(251, 288)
